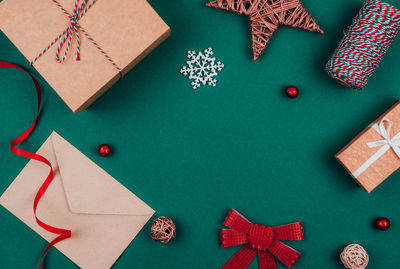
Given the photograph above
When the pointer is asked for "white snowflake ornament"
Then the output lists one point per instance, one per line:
(202, 68)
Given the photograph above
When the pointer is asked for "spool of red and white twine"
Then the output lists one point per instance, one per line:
(364, 44)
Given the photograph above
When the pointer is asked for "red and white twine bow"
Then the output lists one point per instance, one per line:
(72, 30)
(261, 240)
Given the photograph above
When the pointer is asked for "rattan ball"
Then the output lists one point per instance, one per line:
(163, 229)
(354, 256)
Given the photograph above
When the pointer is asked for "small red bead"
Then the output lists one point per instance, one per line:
(382, 223)
(292, 91)
(104, 150)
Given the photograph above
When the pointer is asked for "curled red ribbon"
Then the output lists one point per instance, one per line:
(261, 240)
(62, 233)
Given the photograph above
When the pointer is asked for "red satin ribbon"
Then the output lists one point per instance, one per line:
(63, 234)
(261, 240)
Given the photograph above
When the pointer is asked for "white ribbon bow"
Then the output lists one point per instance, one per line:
(385, 144)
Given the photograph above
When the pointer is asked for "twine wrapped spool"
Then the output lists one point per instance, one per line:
(163, 229)
(354, 256)
(364, 44)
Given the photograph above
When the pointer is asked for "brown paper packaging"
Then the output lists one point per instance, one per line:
(357, 153)
(127, 30)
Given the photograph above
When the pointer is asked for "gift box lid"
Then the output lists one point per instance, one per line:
(127, 30)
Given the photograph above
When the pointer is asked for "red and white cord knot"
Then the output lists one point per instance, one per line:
(74, 29)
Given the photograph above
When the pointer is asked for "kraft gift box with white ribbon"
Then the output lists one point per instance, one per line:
(374, 154)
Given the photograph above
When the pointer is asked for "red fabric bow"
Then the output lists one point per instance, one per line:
(260, 239)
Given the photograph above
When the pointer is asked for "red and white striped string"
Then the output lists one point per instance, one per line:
(66, 37)
(364, 44)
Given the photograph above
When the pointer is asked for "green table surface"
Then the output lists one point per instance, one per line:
(194, 154)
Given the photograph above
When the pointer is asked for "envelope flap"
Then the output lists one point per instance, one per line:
(91, 190)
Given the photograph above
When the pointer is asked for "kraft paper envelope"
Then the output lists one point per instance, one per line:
(103, 215)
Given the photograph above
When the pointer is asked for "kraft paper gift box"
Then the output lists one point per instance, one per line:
(103, 215)
(374, 154)
(127, 30)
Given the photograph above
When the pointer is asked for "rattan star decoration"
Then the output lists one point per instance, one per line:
(267, 15)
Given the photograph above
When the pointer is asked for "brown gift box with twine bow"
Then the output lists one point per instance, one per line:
(374, 154)
(126, 30)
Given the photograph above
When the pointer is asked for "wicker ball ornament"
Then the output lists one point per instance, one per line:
(163, 229)
(354, 256)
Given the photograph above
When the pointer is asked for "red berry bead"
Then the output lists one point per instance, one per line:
(104, 150)
(382, 223)
(292, 91)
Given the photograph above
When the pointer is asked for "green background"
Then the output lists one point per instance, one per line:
(194, 154)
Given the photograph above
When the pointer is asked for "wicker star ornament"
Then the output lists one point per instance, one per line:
(267, 15)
